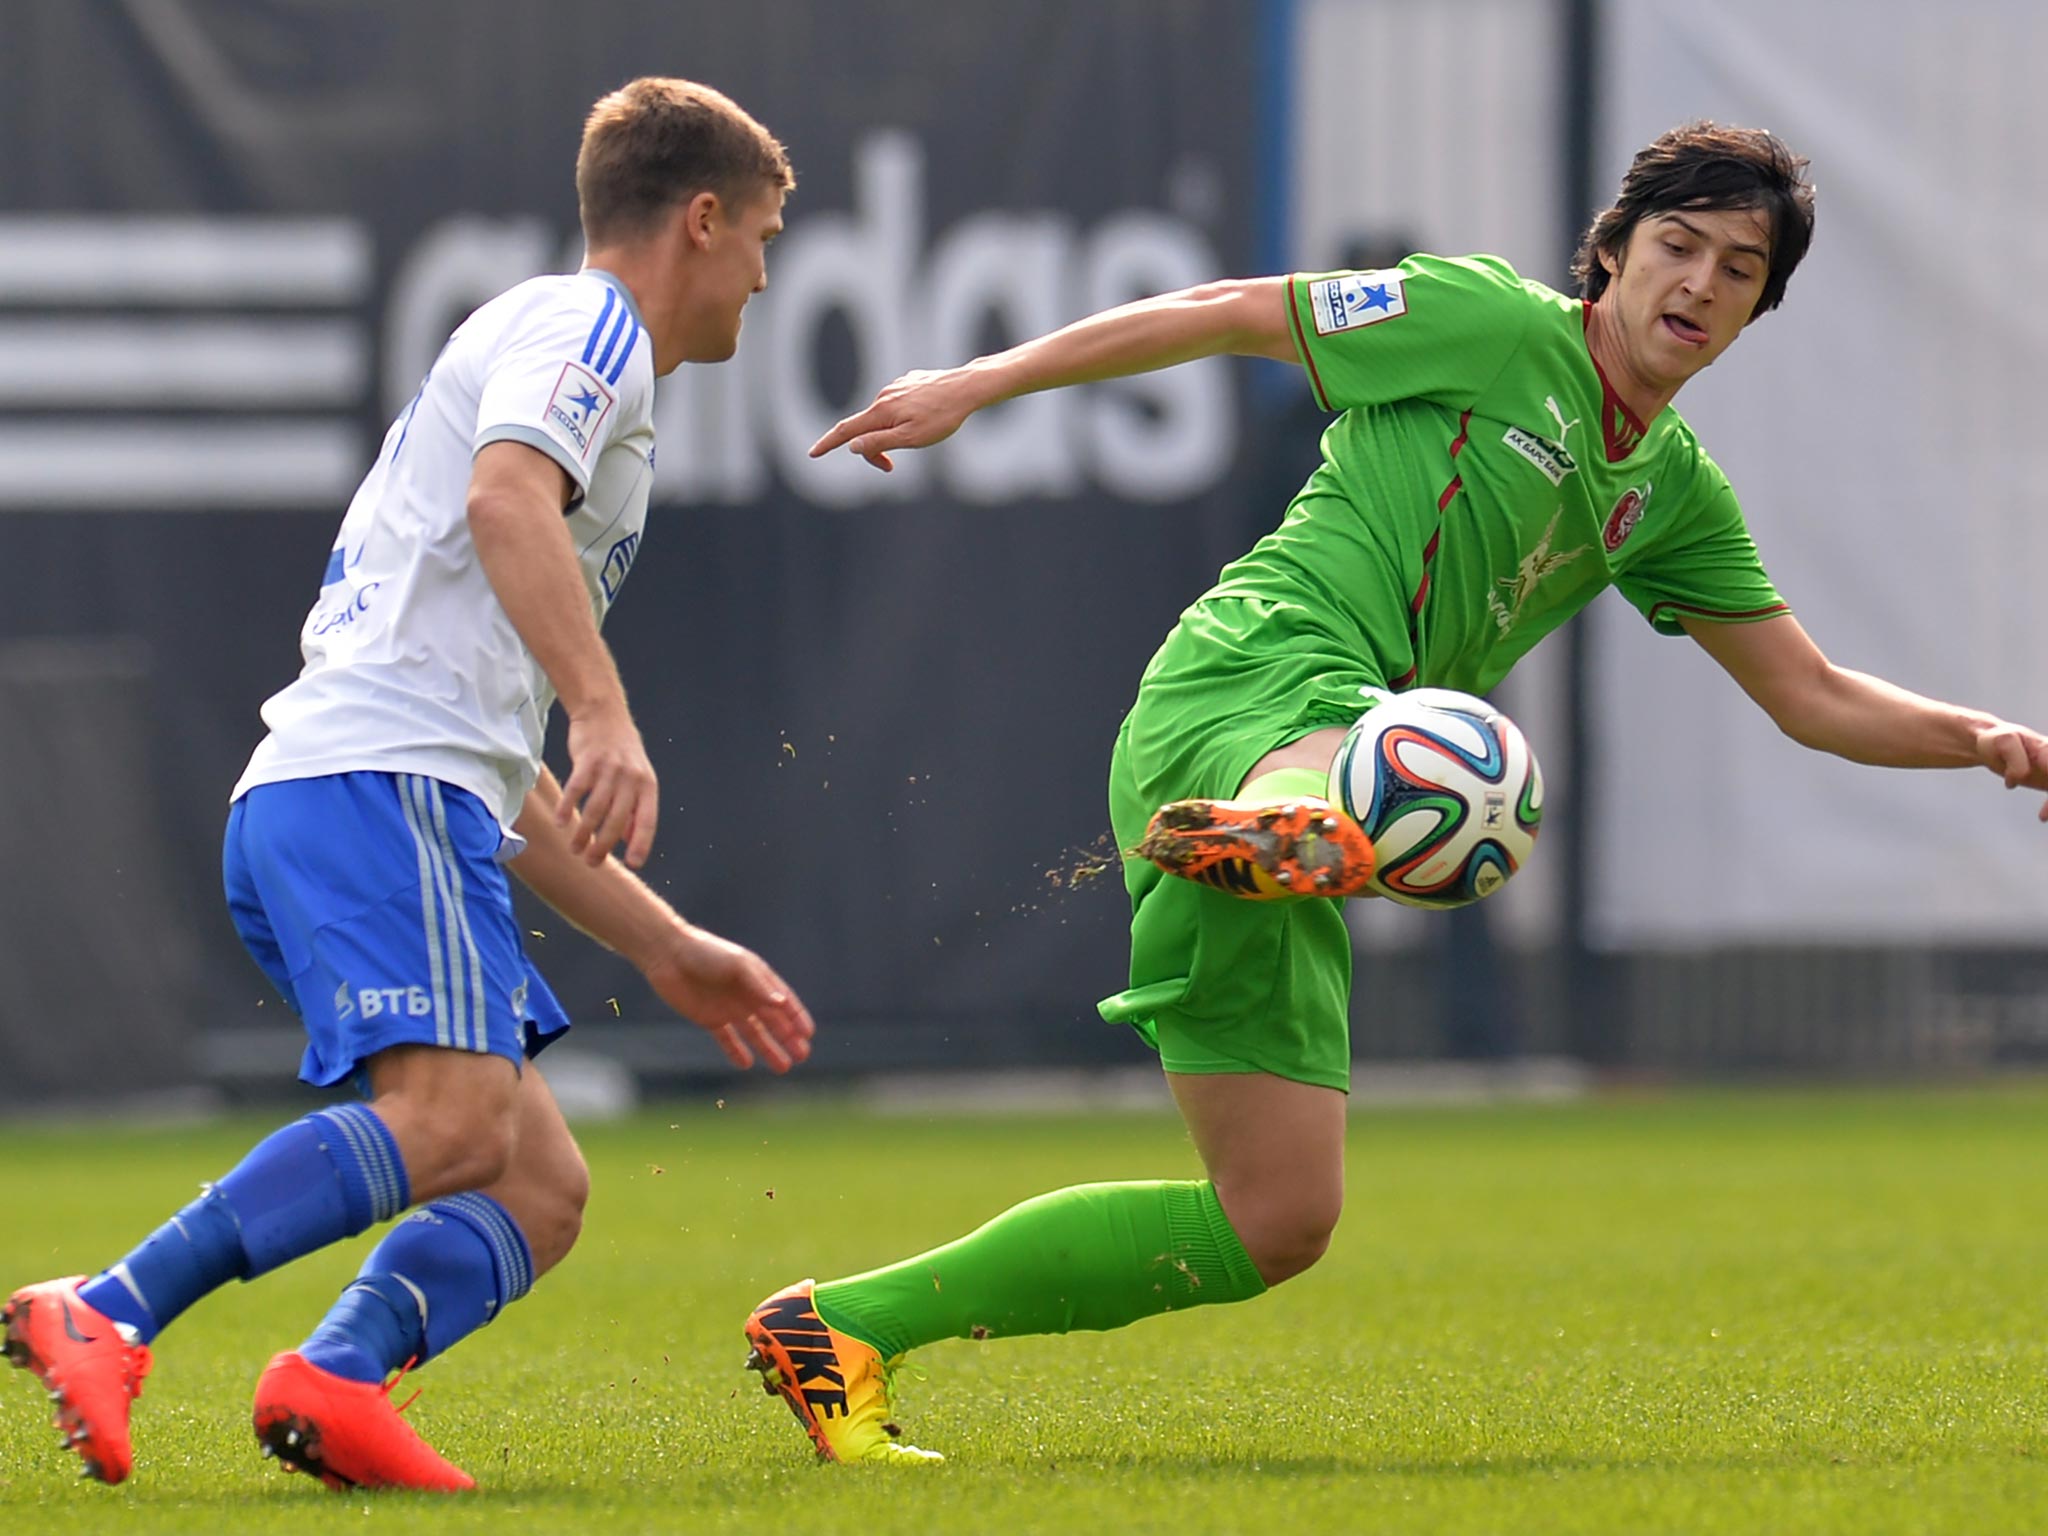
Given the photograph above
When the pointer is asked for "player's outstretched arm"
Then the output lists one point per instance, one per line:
(516, 497)
(729, 991)
(1865, 718)
(1245, 317)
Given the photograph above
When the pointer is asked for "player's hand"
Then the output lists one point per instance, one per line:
(919, 409)
(611, 795)
(734, 996)
(2017, 755)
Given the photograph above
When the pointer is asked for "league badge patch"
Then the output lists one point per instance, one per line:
(577, 408)
(1356, 299)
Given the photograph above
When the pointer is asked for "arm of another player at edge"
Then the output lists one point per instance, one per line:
(516, 497)
(1863, 718)
(728, 990)
(1245, 317)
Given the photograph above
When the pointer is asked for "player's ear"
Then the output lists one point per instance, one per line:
(700, 217)
(1609, 257)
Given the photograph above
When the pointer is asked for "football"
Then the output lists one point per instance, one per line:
(1448, 790)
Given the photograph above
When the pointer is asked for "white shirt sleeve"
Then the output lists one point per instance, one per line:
(555, 381)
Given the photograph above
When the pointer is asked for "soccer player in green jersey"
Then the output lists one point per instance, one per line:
(1500, 454)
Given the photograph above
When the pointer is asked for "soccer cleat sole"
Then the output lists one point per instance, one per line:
(1298, 847)
(294, 1443)
(778, 1383)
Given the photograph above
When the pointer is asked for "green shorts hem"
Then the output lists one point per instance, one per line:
(1198, 1048)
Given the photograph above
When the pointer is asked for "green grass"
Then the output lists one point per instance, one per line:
(1714, 1312)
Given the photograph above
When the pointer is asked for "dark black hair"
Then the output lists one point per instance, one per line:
(1705, 165)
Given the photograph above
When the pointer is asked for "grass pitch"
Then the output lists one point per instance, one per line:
(1714, 1312)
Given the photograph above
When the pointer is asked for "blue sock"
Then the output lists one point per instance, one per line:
(437, 1277)
(326, 1177)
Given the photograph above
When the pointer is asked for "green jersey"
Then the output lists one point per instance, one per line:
(1482, 467)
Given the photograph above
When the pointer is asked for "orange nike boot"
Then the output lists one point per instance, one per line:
(837, 1387)
(1261, 851)
(346, 1433)
(87, 1362)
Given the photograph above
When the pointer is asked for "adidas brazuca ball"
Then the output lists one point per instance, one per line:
(1447, 789)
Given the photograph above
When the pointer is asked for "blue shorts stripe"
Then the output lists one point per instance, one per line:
(464, 1021)
(443, 1034)
(463, 1027)
(476, 998)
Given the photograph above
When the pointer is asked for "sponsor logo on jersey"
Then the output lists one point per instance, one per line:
(1553, 457)
(1539, 563)
(578, 406)
(358, 604)
(1628, 511)
(344, 1005)
(519, 999)
(1356, 299)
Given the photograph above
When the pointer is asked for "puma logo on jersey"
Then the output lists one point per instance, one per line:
(1553, 458)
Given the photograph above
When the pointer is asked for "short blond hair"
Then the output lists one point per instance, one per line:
(656, 142)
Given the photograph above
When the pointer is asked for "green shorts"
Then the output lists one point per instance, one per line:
(1220, 984)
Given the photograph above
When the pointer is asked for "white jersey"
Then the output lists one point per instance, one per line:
(411, 663)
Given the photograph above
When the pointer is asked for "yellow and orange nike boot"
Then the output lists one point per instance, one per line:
(346, 1433)
(1261, 850)
(837, 1387)
(88, 1363)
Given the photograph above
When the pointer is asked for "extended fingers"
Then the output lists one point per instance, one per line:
(847, 428)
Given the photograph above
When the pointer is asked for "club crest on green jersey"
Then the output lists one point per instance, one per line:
(1356, 299)
(1628, 511)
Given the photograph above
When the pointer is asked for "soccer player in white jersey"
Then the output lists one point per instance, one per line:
(369, 839)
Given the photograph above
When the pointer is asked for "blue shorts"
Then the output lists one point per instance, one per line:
(376, 905)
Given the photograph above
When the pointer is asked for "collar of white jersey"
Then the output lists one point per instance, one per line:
(618, 286)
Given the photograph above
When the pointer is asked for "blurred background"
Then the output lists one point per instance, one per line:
(233, 234)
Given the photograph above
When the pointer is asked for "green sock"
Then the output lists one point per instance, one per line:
(1094, 1256)
(1287, 784)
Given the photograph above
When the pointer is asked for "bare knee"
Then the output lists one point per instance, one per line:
(552, 1218)
(463, 1152)
(1283, 1232)
(453, 1115)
